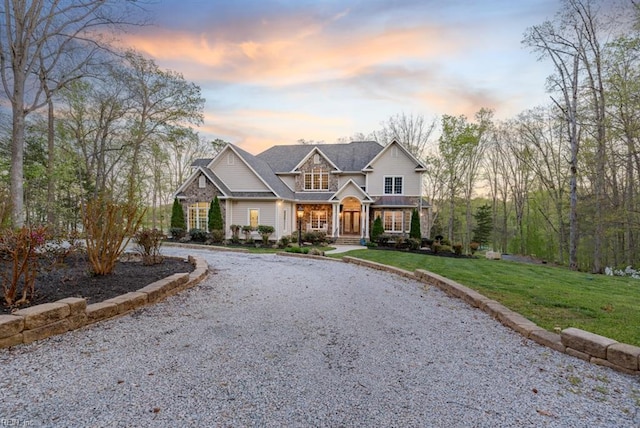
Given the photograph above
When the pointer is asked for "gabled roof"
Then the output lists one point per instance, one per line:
(316, 149)
(348, 157)
(210, 176)
(394, 143)
(263, 172)
(363, 195)
(201, 162)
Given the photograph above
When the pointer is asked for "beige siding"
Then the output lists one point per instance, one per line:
(237, 176)
(358, 178)
(387, 165)
(350, 190)
(240, 212)
(289, 180)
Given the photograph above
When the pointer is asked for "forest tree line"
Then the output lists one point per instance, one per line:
(560, 180)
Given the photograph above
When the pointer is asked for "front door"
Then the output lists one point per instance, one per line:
(351, 222)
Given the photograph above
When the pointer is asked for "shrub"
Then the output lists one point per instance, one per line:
(215, 221)
(414, 244)
(445, 248)
(384, 239)
(474, 247)
(376, 230)
(148, 243)
(316, 252)
(177, 217)
(108, 227)
(20, 247)
(415, 225)
(177, 232)
(235, 232)
(297, 250)
(198, 235)
(399, 242)
(315, 237)
(247, 233)
(436, 247)
(58, 248)
(457, 249)
(217, 236)
(284, 241)
(371, 244)
(265, 231)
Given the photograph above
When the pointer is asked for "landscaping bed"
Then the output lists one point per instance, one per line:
(74, 279)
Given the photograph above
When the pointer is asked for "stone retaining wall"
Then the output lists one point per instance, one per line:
(572, 341)
(41, 321)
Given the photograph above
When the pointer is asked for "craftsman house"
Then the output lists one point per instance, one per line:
(338, 189)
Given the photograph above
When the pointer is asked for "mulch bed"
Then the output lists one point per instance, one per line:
(74, 279)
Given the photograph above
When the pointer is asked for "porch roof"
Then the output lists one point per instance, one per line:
(394, 201)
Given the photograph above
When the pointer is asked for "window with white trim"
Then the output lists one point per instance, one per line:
(393, 221)
(198, 216)
(318, 220)
(202, 182)
(316, 158)
(393, 185)
(317, 179)
(231, 159)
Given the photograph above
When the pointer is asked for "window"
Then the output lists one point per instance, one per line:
(393, 221)
(318, 220)
(316, 158)
(198, 215)
(284, 221)
(254, 217)
(393, 185)
(202, 182)
(231, 159)
(318, 179)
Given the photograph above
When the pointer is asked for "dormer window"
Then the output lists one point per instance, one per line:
(317, 179)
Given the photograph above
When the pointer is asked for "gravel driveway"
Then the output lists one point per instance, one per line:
(279, 341)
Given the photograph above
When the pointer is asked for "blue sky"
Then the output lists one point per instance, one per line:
(273, 72)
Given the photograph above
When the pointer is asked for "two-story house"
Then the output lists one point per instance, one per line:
(335, 188)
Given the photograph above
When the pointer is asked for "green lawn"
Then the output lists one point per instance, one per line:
(549, 296)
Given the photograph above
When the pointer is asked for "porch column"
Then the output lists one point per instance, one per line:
(363, 210)
(336, 220)
(366, 221)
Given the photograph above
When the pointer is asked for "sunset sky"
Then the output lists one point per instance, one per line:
(273, 72)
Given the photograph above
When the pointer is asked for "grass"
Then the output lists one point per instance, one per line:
(552, 297)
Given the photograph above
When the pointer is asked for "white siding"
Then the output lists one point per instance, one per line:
(350, 190)
(237, 176)
(387, 165)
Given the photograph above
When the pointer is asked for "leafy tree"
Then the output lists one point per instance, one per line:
(484, 224)
(177, 216)
(215, 216)
(376, 230)
(414, 232)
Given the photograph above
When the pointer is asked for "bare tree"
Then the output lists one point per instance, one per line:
(34, 36)
(413, 132)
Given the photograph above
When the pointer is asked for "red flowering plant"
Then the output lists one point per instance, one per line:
(19, 252)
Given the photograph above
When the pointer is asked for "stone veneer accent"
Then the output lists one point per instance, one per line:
(572, 341)
(41, 321)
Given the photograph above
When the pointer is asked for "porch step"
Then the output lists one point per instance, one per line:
(348, 240)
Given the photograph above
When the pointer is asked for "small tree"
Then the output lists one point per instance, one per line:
(376, 230)
(415, 225)
(215, 216)
(265, 232)
(177, 216)
(484, 224)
